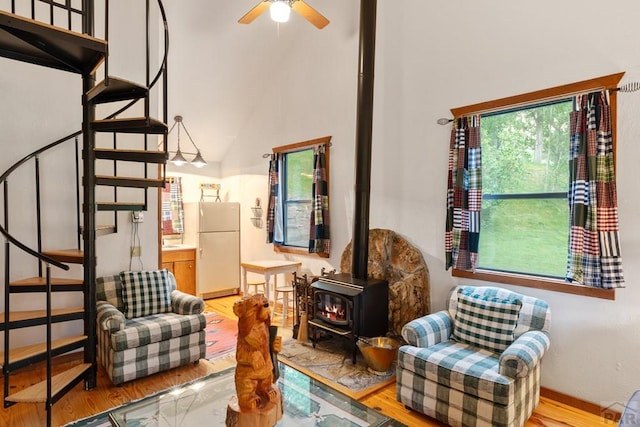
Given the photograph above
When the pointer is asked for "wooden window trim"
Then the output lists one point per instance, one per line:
(609, 82)
(325, 140)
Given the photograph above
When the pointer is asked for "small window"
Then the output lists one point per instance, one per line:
(298, 212)
(297, 196)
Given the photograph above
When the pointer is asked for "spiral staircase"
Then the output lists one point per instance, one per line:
(45, 42)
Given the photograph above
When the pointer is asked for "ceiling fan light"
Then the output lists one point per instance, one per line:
(178, 159)
(280, 11)
(198, 161)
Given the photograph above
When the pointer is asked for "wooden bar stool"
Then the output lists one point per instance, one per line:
(254, 284)
(282, 294)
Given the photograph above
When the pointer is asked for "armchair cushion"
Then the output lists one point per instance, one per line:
(109, 288)
(156, 328)
(146, 293)
(487, 322)
(461, 367)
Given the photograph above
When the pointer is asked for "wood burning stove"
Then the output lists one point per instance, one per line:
(349, 307)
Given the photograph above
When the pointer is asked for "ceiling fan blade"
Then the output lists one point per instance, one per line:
(255, 12)
(310, 14)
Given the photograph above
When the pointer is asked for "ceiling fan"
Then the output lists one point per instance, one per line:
(280, 10)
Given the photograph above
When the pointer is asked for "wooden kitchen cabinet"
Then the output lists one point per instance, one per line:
(182, 263)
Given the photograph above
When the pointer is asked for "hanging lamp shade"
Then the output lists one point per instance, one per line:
(198, 161)
(178, 159)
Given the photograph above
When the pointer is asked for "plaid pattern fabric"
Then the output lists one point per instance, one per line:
(428, 330)
(594, 257)
(456, 408)
(534, 314)
(464, 195)
(109, 318)
(319, 236)
(485, 322)
(155, 328)
(274, 182)
(182, 303)
(145, 292)
(172, 207)
(127, 365)
(463, 385)
(524, 354)
(109, 288)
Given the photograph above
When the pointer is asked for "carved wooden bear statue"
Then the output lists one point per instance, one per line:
(254, 370)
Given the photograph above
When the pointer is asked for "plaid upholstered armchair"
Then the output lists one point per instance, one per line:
(145, 325)
(478, 362)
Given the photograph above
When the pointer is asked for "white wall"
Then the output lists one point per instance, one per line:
(432, 57)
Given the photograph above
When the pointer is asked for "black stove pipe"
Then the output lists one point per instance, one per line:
(364, 125)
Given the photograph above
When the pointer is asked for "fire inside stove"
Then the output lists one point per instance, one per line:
(332, 308)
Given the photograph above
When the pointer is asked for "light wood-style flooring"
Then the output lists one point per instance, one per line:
(80, 403)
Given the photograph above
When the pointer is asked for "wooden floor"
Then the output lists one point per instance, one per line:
(80, 403)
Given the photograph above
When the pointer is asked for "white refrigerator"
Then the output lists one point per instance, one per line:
(214, 229)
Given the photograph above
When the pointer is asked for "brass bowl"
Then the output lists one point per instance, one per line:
(379, 353)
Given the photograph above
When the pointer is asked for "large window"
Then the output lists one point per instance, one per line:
(524, 217)
(525, 220)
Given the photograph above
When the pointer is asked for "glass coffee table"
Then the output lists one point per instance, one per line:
(306, 402)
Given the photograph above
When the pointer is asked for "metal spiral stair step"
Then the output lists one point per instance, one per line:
(60, 384)
(121, 181)
(39, 284)
(71, 256)
(23, 319)
(38, 43)
(102, 230)
(116, 89)
(120, 206)
(23, 356)
(131, 155)
(144, 125)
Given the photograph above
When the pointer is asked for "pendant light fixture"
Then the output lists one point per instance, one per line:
(178, 159)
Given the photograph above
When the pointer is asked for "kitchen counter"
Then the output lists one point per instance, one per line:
(176, 247)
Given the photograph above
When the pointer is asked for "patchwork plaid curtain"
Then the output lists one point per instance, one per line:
(464, 195)
(594, 250)
(172, 207)
(319, 241)
(274, 208)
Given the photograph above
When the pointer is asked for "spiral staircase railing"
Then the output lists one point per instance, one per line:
(87, 14)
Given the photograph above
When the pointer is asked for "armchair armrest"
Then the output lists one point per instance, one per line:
(182, 303)
(523, 354)
(428, 330)
(109, 318)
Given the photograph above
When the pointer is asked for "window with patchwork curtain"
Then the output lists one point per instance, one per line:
(531, 195)
(298, 208)
(172, 207)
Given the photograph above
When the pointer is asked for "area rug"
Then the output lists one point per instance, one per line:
(330, 363)
(222, 336)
